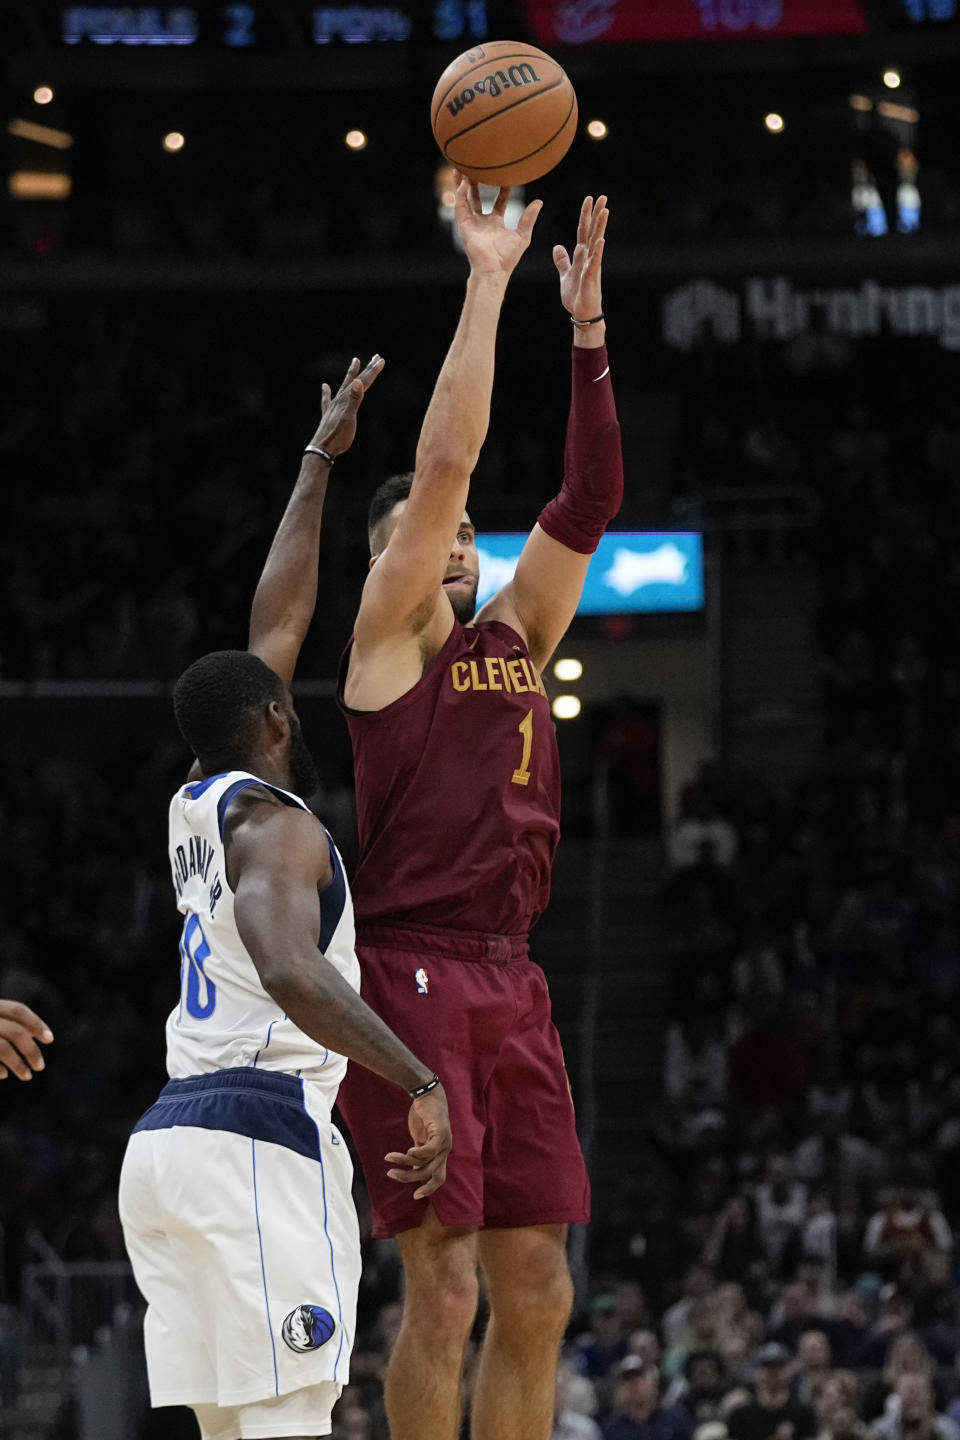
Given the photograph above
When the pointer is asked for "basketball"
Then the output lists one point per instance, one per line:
(504, 113)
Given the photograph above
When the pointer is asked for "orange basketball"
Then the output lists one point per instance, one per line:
(504, 113)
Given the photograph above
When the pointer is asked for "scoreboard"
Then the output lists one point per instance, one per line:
(283, 25)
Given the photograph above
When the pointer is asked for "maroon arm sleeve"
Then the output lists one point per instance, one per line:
(592, 491)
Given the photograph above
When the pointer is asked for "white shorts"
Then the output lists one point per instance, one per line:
(241, 1229)
(302, 1412)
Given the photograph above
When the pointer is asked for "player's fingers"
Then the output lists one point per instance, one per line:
(325, 397)
(11, 1057)
(4, 1072)
(503, 197)
(596, 255)
(561, 259)
(528, 219)
(371, 370)
(599, 227)
(22, 1015)
(397, 1157)
(583, 222)
(476, 204)
(20, 1044)
(432, 1185)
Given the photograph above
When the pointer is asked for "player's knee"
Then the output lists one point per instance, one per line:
(443, 1302)
(534, 1299)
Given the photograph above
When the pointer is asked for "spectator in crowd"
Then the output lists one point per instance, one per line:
(910, 1413)
(908, 1229)
(701, 834)
(637, 1410)
(773, 1411)
(814, 1365)
(605, 1342)
(576, 1403)
(781, 1208)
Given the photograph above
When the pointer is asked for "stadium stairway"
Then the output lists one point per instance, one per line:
(770, 669)
(619, 944)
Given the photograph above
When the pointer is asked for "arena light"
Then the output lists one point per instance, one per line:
(568, 669)
(892, 79)
(355, 140)
(773, 122)
(566, 707)
(39, 134)
(173, 141)
(38, 185)
(906, 113)
(597, 129)
(43, 95)
(863, 103)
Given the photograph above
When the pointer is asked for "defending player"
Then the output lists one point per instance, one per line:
(458, 805)
(235, 1190)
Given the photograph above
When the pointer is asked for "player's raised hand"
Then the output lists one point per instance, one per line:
(490, 247)
(425, 1163)
(338, 424)
(580, 276)
(20, 1029)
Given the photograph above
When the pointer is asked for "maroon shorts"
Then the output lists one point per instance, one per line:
(476, 1010)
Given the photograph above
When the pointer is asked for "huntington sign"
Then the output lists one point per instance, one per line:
(774, 308)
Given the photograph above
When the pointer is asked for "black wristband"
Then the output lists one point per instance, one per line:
(581, 323)
(316, 450)
(424, 1089)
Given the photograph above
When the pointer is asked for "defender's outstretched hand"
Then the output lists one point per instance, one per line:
(490, 247)
(580, 277)
(20, 1029)
(338, 424)
(425, 1163)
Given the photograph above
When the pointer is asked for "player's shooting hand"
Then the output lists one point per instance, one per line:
(490, 247)
(425, 1163)
(338, 424)
(20, 1029)
(580, 276)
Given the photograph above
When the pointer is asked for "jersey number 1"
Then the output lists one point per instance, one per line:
(521, 776)
(200, 994)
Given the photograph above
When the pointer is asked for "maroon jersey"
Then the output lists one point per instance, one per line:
(458, 791)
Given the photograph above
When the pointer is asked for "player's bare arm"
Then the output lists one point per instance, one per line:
(541, 599)
(286, 594)
(20, 1029)
(278, 858)
(404, 615)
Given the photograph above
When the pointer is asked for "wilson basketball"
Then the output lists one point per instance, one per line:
(504, 113)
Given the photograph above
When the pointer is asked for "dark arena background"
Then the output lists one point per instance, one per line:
(754, 941)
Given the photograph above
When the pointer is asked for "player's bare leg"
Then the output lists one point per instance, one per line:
(422, 1389)
(531, 1294)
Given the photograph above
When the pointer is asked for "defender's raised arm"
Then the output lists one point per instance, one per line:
(286, 594)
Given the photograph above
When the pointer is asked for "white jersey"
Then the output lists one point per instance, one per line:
(225, 1018)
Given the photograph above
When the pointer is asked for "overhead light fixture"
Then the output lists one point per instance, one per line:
(43, 94)
(568, 669)
(773, 122)
(355, 140)
(173, 141)
(597, 129)
(892, 78)
(566, 707)
(40, 134)
(38, 185)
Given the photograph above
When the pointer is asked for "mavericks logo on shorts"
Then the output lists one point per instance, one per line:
(307, 1328)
